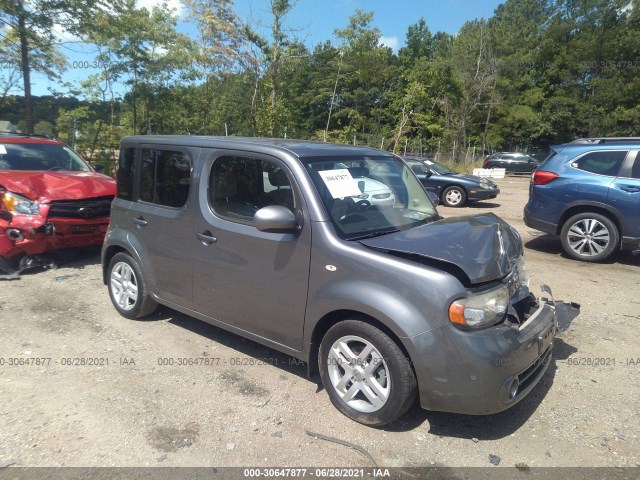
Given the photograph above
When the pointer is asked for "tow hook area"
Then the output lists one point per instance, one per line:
(12, 270)
(566, 312)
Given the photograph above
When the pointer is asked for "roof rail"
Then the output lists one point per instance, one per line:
(599, 140)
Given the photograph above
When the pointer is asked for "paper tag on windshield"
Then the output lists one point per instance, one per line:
(340, 183)
(428, 162)
(3, 151)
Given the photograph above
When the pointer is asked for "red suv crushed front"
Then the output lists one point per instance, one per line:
(50, 199)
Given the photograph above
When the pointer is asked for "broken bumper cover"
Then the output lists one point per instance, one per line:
(33, 235)
(487, 371)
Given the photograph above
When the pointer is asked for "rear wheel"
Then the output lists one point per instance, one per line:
(127, 288)
(590, 237)
(367, 376)
(454, 196)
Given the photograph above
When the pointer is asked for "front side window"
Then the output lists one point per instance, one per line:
(367, 196)
(240, 186)
(602, 163)
(165, 177)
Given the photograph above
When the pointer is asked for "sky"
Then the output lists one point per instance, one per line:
(313, 22)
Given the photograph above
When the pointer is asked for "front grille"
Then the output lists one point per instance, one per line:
(85, 209)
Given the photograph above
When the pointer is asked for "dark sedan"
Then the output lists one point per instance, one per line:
(512, 162)
(453, 189)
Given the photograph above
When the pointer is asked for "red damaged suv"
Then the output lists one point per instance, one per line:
(50, 199)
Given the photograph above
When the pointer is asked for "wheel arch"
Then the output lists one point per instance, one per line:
(330, 319)
(591, 208)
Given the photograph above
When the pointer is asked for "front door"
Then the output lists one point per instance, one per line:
(250, 279)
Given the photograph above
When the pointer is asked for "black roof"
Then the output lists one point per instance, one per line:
(300, 148)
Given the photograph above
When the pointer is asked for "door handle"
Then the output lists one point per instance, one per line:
(206, 238)
(630, 188)
(140, 222)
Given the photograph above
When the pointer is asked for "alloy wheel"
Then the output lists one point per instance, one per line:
(124, 286)
(359, 374)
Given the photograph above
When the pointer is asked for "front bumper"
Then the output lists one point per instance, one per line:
(482, 194)
(486, 371)
(35, 235)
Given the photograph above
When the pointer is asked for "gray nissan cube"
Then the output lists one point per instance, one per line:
(335, 255)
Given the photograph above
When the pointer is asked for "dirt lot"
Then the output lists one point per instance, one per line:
(253, 406)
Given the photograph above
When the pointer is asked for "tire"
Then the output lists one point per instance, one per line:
(377, 395)
(127, 288)
(590, 237)
(454, 196)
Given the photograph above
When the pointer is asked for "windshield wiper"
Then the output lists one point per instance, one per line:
(377, 233)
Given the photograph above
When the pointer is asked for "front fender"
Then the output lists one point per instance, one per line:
(401, 316)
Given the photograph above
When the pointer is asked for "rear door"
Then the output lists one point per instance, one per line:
(624, 194)
(161, 219)
(253, 280)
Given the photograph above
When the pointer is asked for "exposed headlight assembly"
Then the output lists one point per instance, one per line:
(18, 205)
(480, 310)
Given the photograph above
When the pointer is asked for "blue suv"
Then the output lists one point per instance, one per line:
(588, 193)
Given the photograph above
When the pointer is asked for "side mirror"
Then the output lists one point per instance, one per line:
(276, 219)
(98, 167)
(428, 173)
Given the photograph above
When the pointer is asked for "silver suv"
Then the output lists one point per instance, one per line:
(335, 255)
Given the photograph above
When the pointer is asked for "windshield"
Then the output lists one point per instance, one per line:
(428, 165)
(439, 169)
(369, 196)
(39, 156)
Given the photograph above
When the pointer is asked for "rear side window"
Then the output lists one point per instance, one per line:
(602, 163)
(240, 186)
(125, 173)
(165, 177)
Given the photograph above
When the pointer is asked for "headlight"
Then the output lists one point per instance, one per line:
(486, 186)
(19, 205)
(480, 310)
(364, 196)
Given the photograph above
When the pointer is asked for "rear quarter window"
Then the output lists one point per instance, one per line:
(165, 177)
(126, 170)
(601, 163)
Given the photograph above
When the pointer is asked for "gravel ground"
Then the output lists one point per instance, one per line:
(251, 406)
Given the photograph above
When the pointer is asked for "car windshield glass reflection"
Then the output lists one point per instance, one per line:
(370, 196)
(39, 157)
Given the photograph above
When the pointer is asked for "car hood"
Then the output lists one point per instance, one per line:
(49, 186)
(484, 247)
(473, 178)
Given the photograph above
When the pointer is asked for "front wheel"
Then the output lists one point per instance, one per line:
(367, 376)
(127, 288)
(454, 196)
(590, 237)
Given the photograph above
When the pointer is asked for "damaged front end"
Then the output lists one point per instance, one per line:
(29, 229)
(500, 336)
